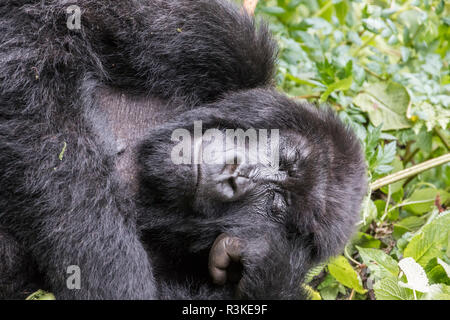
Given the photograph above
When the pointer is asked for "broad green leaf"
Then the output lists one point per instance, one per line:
(329, 288)
(445, 266)
(329, 293)
(388, 289)
(425, 198)
(409, 224)
(416, 277)
(430, 241)
(343, 272)
(385, 103)
(379, 263)
(438, 271)
(365, 240)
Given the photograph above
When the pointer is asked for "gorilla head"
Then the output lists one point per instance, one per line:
(276, 221)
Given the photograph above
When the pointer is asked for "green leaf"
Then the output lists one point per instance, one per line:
(388, 289)
(385, 103)
(329, 293)
(314, 272)
(379, 263)
(440, 7)
(314, 295)
(343, 272)
(438, 271)
(425, 198)
(409, 224)
(343, 84)
(329, 288)
(430, 241)
(41, 295)
(365, 240)
(374, 25)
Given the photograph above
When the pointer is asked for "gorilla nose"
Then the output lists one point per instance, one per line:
(231, 187)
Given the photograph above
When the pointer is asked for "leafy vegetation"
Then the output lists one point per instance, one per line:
(384, 66)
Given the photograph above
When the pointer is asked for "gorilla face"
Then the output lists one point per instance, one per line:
(243, 207)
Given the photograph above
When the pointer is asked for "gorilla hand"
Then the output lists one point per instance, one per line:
(224, 259)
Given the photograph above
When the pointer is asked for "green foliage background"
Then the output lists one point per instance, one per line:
(384, 66)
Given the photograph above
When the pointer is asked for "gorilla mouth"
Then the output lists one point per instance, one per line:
(225, 259)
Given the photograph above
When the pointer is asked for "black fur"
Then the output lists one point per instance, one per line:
(67, 206)
(326, 184)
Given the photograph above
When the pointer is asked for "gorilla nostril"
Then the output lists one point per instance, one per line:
(233, 184)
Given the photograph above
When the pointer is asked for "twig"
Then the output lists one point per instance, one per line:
(409, 157)
(409, 172)
(250, 5)
(351, 294)
(373, 73)
(365, 44)
(309, 96)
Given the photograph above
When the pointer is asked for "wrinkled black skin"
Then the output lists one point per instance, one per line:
(154, 246)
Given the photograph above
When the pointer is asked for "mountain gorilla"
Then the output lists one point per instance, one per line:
(87, 118)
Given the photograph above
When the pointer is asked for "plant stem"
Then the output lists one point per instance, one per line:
(441, 136)
(365, 44)
(351, 294)
(410, 156)
(323, 9)
(409, 172)
(373, 73)
(309, 96)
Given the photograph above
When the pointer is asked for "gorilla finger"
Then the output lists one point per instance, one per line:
(224, 251)
(219, 276)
